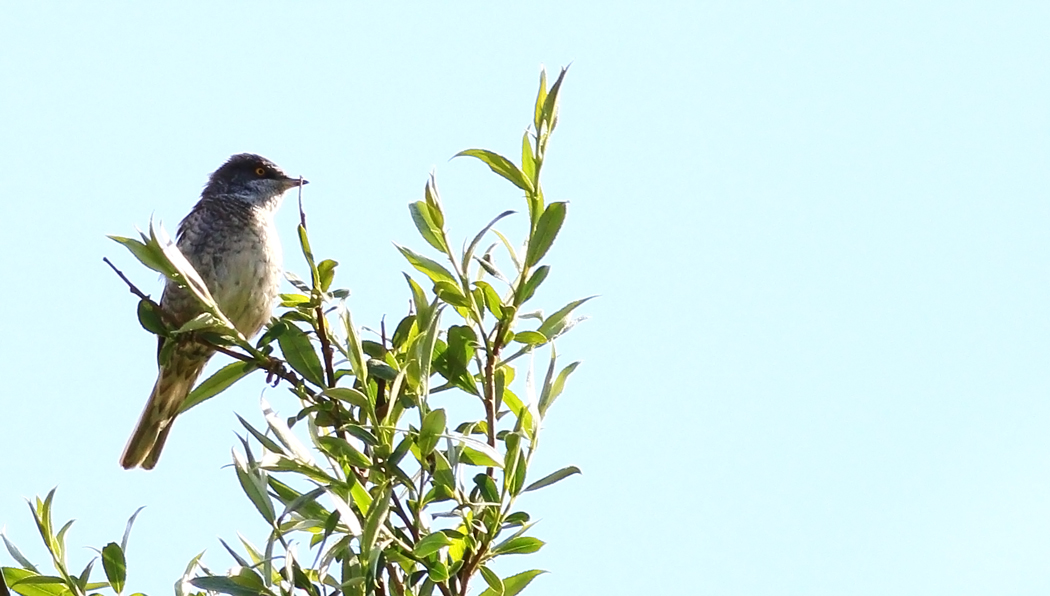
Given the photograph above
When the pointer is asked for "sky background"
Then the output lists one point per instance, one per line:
(820, 232)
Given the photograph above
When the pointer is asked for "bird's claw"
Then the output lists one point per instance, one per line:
(274, 371)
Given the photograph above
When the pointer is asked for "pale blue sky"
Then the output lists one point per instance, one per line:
(820, 231)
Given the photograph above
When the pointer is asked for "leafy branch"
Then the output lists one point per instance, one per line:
(388, 495)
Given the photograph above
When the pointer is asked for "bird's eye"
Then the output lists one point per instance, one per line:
(260, 172)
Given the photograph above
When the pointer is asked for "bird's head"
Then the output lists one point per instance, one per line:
(250, 178)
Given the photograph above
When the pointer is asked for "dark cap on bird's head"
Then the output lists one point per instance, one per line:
(250, 177)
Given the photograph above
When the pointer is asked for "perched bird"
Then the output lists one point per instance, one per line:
(230, 239)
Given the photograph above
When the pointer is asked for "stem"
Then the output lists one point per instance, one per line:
(392, 574)
(326, 346)
(490, 390)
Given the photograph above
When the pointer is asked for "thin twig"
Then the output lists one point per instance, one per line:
(131, 287)
(302, 214)
(400, 511)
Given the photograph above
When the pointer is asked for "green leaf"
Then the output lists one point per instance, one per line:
(438, 571)
(487, 488)
(419, 300)
(502, 166)
(528, 162)
(510, 250)
(548, 397)
(443, 475)
(150, 319)
(492, 300)
(147, 255)
(547, 229)
(530, 338)
(266, 442)
(300, 354)
(373, 348)
(361, 433)
(424, 350)
(452, 363)
(32, 584)
(224, 585)
(427, 266)
(433, 426)
(254, 487)
(485, 261)
(431, 544)
(548, 382)
(550, 103)
(355, 350)
(519, 408)
(553, 477)
(450, 293)
(114, 565)
(284, 434)
(283, 463)
(430, 192)
(308, 254)
(381, 370)
(298, 283)
(342, 450)
(518, 518)
(374, 520)
(403, 332)
(493, 580)
(17, 555)
(253, 552)
(533, 283)
(474, 243)
(326, 272)
(127, 528)
(217, 383)
(512, 442)
(514, 584)
(556, 323)
(83, 579)
(514, 464)
(248, 578)
(308, 508)
(41, 579)
(201, 322)
(236, 557)
(519, 545)
(423, 217)
(541, 97)
(360, 496)
(349, 395)
(60, 541)
(476, 457)
(293, 300)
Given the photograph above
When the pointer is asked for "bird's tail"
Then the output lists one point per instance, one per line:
(173, 384)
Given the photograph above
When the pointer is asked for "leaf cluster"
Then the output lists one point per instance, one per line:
(29, 580)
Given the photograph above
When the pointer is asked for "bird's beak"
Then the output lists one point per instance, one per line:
(293, 182)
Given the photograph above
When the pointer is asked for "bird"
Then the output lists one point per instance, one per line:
(231, 240)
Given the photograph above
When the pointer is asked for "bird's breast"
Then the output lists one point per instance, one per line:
(248, 277)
